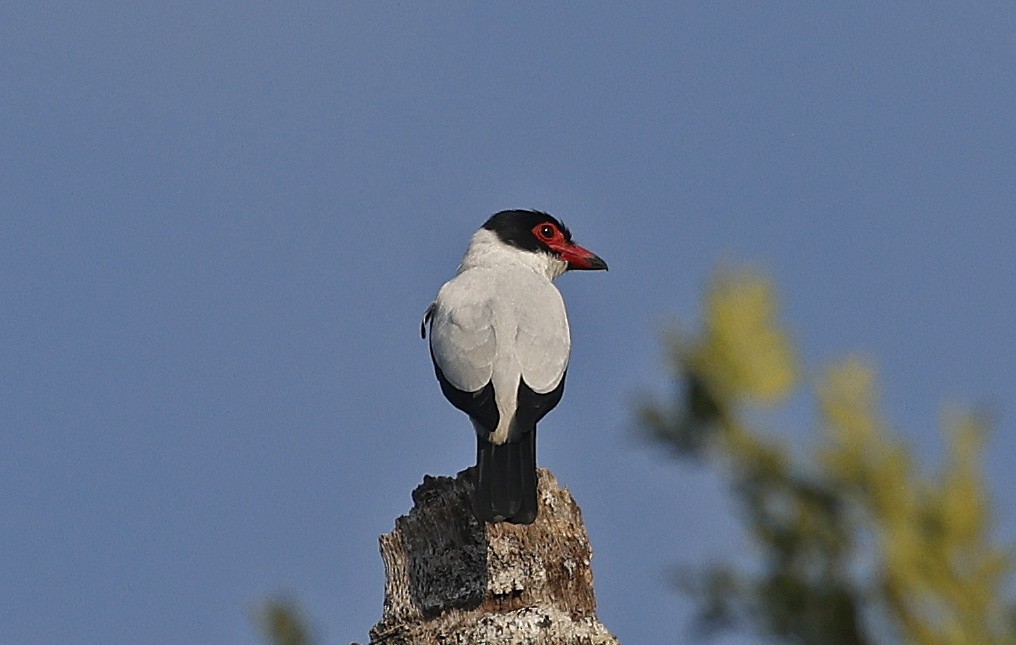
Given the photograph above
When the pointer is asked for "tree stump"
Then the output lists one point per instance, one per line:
(451, 580)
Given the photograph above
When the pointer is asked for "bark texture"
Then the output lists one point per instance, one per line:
(452, 580)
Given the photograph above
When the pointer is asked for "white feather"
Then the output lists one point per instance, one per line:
(499, 320)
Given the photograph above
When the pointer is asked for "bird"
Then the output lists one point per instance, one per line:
(500, 344)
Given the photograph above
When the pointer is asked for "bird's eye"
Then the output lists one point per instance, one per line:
(547, 231)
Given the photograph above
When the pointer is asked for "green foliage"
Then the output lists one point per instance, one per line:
(281, 623)
(854, 541)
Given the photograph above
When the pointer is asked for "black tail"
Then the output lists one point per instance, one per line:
(506, 480)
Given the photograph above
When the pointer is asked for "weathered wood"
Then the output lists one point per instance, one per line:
(451, 580)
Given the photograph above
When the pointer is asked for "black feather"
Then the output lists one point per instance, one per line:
(427, 315)
(506, 479)
(479, 405)
(515, 227)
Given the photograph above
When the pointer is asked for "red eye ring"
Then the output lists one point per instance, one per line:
(547, 232)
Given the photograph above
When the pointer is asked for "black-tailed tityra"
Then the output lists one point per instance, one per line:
(500, 342)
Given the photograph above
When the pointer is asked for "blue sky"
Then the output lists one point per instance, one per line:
(220, 224)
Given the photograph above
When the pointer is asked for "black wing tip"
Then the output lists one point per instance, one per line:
(427, 315)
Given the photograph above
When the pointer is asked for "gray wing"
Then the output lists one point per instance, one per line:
(462, 341)
(543, 341)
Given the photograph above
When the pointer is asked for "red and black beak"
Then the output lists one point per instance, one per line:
(581, 259)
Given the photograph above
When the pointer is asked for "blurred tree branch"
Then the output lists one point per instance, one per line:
(856, 545)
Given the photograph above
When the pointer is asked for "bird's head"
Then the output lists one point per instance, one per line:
(526, 232)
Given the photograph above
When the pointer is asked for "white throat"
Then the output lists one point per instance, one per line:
(487, 250)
